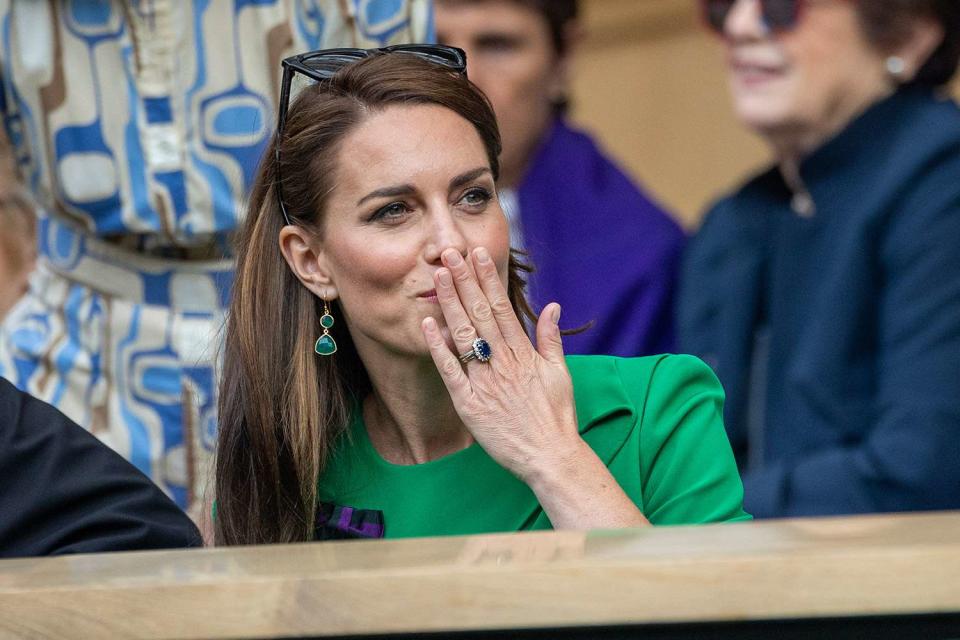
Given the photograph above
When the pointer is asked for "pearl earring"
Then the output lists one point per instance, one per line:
(896, 66)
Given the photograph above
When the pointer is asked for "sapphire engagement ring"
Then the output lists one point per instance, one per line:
(480, 351)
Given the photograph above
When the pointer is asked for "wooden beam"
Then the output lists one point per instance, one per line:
(799, 569)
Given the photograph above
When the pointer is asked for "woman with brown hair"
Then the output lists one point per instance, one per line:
(379, 379)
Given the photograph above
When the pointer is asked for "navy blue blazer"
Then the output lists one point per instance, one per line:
(63, 491)
(837, 334)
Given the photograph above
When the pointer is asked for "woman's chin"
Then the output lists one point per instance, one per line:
(766, 116)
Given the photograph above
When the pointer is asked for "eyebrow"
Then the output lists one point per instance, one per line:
(469, 176)
(407, 189)
(387, 192)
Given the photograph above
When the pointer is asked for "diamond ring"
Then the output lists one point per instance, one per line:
(480, 351)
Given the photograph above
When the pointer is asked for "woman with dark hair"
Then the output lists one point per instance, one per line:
(378, 378)
(570, 207)
(826, 291)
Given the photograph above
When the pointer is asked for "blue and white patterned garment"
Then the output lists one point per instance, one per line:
(138, 126)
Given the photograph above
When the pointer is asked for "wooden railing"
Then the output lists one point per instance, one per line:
(876, 576)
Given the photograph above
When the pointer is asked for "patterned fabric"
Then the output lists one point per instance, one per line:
(126, 346)
(334, 522)
(149, 116)
(138, 126)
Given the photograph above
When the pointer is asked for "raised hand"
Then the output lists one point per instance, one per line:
(519, 404)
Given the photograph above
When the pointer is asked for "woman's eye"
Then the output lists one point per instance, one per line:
(476, 197)
(392, 211)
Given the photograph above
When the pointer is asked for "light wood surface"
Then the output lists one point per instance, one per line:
(814, 568)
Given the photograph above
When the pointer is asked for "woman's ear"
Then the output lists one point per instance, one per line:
(304, 254)
(925, 35)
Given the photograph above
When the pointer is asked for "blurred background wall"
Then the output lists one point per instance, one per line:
(649, 80)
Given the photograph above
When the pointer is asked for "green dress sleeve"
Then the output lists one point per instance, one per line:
(688, 474)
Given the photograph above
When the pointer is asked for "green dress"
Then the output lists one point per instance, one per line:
(656, 423)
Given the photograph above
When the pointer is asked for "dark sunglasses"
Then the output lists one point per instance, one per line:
(318, 66)
(778, 15)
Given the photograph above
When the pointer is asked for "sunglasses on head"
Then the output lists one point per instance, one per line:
(318, 66)
(777, 15)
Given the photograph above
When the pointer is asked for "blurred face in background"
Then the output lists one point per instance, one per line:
(800, 85)
(511, 57)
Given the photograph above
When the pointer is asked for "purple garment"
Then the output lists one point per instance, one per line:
(335, 522)
(601, 248)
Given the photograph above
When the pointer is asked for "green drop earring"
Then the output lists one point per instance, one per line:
(326, 345)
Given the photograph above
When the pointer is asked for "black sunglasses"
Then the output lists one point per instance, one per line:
(778, 15)
(322, 65)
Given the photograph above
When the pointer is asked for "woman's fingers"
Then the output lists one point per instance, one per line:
(498, 298)
(549, 340)
(471, 300)
(458, 322)
(447, 363)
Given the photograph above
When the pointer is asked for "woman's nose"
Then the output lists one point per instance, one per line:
(445, 232)
(745, 21)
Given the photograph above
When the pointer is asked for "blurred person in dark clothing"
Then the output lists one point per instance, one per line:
(826, 291)
(602, 248)
(63, 491)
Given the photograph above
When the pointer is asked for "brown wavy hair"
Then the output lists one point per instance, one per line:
(281, 406)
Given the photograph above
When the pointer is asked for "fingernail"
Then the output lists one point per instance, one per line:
(483, 257)
(556, 314)
(454, 259)
(444, 277)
